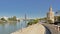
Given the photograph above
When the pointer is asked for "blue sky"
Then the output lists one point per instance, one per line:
(33, 8)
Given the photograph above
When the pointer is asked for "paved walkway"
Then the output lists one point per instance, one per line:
(33, 29)
(52, 28)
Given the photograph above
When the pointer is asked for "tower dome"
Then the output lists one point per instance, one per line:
(50, 9)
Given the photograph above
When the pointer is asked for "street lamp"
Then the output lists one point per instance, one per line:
(25, 20)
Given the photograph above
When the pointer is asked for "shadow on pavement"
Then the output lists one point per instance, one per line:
(47, 30)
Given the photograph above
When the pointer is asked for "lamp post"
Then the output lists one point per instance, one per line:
(25, 20)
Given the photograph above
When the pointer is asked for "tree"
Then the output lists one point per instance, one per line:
(3, 19)
(10, 19)
(32, 22)
(59, 18)
(50, 21)
(14, 18)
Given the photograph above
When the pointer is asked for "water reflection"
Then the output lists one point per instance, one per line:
(7, 28)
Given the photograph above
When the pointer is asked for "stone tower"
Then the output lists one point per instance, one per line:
(50, 16)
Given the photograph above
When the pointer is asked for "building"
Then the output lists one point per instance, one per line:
(50, 16)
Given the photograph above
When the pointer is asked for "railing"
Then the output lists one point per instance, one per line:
(57, 27)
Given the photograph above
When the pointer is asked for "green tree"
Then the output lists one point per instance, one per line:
(50, 21)
(32, 22)
(10, 19)
(59, 18)
(3, 19)
(14, 18)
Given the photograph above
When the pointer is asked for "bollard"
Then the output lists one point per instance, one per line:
(58, 28)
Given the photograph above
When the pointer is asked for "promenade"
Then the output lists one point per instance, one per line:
(39, 28)
(33, 29)
(53, 29)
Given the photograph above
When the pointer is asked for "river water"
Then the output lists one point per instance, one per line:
(7, 28)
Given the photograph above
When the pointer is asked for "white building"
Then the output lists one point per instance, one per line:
(50, 15)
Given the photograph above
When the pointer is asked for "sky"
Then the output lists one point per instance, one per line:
(32, 8)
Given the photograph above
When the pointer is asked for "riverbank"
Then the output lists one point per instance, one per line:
(33, 29)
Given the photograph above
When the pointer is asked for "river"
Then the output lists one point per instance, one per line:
(7, 28)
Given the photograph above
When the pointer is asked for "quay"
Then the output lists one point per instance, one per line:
(54, 29)
(40, 28)
(33, 29)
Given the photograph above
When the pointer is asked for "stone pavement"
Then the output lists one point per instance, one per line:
(33, 29)
(52, 28)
